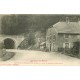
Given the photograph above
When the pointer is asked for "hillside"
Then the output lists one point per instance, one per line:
(18, 24)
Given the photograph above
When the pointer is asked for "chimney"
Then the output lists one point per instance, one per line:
(67, 19)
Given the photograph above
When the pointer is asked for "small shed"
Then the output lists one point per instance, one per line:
(42, 45)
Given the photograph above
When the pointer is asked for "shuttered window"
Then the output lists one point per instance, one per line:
(66, 36)
(66, 45)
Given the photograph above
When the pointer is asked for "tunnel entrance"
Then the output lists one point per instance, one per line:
(9, 43)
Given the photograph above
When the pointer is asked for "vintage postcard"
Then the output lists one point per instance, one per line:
(39, 39)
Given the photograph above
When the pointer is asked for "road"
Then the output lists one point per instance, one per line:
(50, 58)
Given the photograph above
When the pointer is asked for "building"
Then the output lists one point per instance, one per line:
(62, 35)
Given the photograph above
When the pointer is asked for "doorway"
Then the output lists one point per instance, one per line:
(76, 48)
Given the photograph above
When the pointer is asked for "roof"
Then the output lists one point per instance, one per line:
(43, 43)
(64, 27)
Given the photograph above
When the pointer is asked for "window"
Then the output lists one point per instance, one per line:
(50, 37)
(78, 37)
(54, 36)
(46, 38)
(53, 45)
(66, 45)
(66, 36)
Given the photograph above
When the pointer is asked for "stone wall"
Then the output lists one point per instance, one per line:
(16, 38)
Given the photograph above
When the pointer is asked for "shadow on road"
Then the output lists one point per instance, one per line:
(5, 55)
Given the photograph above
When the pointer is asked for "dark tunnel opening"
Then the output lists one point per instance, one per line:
(9, 43)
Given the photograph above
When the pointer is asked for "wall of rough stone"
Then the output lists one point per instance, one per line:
(16, 38)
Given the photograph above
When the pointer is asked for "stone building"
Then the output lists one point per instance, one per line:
(62, 34)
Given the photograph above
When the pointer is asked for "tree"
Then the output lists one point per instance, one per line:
(31, 39)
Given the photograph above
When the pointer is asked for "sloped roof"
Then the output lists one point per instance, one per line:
(64, 27)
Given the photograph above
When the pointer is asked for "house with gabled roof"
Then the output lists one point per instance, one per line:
(62, 34)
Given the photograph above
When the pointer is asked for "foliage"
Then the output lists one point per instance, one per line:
(17, 24)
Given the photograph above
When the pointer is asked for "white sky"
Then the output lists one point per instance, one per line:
(39, 6)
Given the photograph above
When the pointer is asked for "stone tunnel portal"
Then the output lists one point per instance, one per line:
(9, 43)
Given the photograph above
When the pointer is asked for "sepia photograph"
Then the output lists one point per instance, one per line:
(40, 39)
